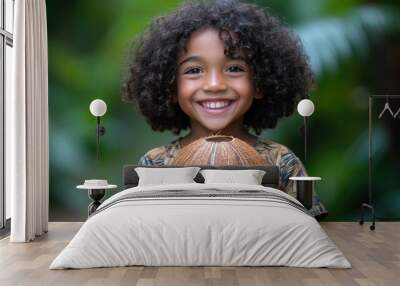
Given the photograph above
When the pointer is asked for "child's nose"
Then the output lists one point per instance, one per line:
(215, 82)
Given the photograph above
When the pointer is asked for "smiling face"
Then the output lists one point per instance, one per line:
(215, 91)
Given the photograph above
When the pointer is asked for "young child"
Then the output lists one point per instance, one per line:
(220, 66)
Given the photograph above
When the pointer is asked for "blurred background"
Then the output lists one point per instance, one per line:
(353, 47)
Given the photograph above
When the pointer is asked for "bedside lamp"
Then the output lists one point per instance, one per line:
(305, 185)
(97, 188)
(305, 108)
(98, 108)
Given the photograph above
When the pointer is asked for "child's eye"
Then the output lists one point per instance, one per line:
(193, 70)
(235, 69)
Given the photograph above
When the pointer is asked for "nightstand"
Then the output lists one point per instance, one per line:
(96, 190)
(304, 189)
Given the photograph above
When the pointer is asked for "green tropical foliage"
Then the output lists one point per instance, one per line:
(332, 40)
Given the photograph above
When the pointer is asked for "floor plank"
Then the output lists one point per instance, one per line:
(374, 255)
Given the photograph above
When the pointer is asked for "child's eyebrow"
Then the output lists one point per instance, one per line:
(191, 58)
(198, 58)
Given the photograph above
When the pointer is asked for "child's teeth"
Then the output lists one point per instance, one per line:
(216, 105)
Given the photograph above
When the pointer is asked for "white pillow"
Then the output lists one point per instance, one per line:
(249, 177)
(162, 176)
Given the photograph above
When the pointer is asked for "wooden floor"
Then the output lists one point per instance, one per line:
(374, 255)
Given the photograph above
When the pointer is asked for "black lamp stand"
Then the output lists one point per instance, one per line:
(305, 139)
(100, 131)
(303, 132)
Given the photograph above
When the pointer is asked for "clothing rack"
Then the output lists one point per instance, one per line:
(369, 205)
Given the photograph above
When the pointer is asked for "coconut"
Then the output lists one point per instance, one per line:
(218, 150)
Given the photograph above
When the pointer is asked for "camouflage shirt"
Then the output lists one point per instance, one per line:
(274, 153)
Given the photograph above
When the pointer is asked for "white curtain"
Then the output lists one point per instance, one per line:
(27, 124)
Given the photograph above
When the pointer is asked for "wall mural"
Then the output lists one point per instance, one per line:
(351, 52)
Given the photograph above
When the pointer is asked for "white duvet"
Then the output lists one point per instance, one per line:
(183, 231)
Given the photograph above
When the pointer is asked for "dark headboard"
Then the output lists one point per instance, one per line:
(271, 178)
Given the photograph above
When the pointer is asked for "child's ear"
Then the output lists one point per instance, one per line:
(175, 99)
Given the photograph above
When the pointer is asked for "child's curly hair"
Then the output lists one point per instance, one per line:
(280, 68)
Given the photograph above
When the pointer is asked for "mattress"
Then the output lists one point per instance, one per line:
(201, 225)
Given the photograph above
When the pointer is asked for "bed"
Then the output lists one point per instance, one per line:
(201, 224)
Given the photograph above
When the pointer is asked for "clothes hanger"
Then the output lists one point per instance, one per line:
(397, 113)
(386, 107)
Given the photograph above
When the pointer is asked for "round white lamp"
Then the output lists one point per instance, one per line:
(305, 108)
(98, 108)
